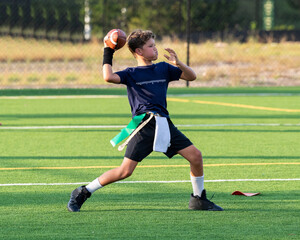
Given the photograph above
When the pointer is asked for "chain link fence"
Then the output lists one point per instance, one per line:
(58, 43)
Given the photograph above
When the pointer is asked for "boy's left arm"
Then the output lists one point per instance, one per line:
(188, 73)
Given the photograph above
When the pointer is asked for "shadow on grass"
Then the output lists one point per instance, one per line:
(117, 130)
(233, 116)
(64, 115)
(58, 157)
(241, 130)
(158, 202)
(148, 201)
(127, 115)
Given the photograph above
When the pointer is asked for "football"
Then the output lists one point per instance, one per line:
(115, 39)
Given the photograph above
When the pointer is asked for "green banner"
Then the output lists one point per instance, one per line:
(268, 14)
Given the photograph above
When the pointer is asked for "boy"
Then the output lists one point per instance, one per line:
(147, 89)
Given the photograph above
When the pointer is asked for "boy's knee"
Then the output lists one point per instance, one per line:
(196, 158)
(199, 155)
(126, 173)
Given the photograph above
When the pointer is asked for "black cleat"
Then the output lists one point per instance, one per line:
(78, 197)
(202, 203)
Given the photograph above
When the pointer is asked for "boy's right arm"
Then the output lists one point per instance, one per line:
(108, 74)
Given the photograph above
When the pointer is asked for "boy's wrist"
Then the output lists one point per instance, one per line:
(179, 63)
(108, 55)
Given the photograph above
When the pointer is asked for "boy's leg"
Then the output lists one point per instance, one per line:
(194, 156)
(80, 194)
(125, 170)
(198, 199)
(113, 175)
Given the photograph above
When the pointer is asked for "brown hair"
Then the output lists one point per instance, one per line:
(138, 38)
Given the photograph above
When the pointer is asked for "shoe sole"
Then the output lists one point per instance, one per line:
(210, 209)
(72, 210)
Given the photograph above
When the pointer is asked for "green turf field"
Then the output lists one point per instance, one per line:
(54, 141)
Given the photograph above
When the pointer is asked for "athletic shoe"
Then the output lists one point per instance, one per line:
(78, 197)
(202, 203)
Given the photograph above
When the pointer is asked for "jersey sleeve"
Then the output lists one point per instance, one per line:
(123, 76)
(174, 72)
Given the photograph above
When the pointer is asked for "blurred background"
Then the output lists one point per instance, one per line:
(58, 43)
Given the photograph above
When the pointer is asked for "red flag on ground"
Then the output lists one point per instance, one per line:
(245, 194)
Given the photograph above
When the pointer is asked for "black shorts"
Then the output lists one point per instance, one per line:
(141, 145)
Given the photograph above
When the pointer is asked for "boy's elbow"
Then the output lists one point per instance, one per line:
(189, 77)
(193, 77)
(111, 79)
(106, 79)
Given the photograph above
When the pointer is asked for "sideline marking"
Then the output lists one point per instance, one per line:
(234, 105)
(122, 126)
(63, 97)
(63, 127)
(130, 182)
(171, 95)
(150, 166)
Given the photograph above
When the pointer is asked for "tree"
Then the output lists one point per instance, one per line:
(213, 15)
(294, 3)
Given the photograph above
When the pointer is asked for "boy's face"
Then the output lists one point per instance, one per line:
(149, 50)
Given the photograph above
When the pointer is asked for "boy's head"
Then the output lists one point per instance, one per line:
(138, 38)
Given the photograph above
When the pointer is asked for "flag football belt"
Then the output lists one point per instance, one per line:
(162, 133)
(131, 129)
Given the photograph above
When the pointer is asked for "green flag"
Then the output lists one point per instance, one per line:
(125, 132)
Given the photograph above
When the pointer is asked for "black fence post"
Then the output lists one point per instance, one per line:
(188, 35)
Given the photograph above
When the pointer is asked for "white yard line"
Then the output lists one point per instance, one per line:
(62, 97)
(138, 182)
(122, 126)
(63, 127)
(233, 94)
(169, 95)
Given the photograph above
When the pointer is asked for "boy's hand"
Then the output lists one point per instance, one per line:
(187, 72)
(173, 56)
(105, 45)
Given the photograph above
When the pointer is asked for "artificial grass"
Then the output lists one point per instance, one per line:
(149, 210)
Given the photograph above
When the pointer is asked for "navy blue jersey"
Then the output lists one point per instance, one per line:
(147, 87)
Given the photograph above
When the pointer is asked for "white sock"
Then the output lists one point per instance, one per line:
(198, 185)
(93, 186)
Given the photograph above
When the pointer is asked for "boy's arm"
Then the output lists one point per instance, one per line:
(188, 73)
(108, 74)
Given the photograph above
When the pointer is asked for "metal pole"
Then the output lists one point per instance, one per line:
(257, 15)
(87, 21)
(188, 35)
(268, 14)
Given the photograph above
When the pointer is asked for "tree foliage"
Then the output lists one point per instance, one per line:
(294, 3)
(164, 17)
(63, 19)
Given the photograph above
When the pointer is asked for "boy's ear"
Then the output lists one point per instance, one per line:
(139, 51)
